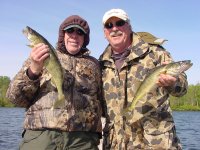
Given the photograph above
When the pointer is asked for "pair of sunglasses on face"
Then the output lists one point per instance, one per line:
(118, 23)
(78, 31)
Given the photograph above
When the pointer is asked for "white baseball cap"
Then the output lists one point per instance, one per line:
(119, 13)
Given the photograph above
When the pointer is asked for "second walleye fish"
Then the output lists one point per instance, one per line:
(52, 64)
(149, 84)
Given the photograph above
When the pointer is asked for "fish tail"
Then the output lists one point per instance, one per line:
(127, 113)
(60, 102)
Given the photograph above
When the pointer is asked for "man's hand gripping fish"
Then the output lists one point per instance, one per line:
(149, 84)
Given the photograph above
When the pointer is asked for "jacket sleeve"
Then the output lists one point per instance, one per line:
(22, 90)
(180, 88)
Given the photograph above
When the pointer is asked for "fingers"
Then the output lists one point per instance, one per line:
(165, 62)
(39, 53)
(166, 80)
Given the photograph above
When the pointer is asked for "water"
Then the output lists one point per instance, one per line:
(188, 129)
(11, 120)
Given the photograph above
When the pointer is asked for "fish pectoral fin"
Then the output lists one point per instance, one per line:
(31, 46)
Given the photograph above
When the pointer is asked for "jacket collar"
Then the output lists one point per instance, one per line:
(138, 49)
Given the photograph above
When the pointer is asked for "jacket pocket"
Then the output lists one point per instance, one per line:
(157, 128)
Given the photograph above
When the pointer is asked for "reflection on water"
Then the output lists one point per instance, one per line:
(11, 120)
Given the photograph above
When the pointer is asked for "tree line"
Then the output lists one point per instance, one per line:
(4, 83)
(190, 101)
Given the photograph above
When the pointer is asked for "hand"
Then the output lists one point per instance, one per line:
(165, 80)
(39, 53)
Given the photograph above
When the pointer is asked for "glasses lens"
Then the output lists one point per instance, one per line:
(70, 30)
(80, 32)
(120, 23)
(108, 25)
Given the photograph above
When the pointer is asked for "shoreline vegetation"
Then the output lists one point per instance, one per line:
(188, 102)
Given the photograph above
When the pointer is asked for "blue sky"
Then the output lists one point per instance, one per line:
(178, 21)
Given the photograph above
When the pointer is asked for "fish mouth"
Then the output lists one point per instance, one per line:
(26, 31)
(187, 64)
(187, 61)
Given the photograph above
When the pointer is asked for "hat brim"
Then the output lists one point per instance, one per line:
(110, 16)
(75, 26)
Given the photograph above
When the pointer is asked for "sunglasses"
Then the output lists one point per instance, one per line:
(78, 31)
(118, 23)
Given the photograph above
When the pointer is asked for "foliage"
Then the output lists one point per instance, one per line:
(190, 101)
(4, 83)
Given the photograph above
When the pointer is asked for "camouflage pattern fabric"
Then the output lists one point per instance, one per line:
(156, 128)
(82, 89)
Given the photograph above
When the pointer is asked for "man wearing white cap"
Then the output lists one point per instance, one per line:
(125, 64)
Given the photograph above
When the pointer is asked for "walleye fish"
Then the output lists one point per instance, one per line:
(52, 64)
(149, 83)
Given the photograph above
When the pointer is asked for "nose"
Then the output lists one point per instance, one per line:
(74, 34)
(114, 28)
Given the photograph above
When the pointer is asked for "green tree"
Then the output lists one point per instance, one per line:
(4, 83)
(190, 101)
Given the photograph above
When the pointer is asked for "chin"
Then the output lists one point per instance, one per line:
(73, 52)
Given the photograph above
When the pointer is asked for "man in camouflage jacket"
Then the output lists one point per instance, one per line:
(77, 125)
(125, 64)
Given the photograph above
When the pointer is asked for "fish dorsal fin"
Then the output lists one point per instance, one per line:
(154, 69)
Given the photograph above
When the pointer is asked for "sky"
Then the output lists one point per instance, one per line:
(178, 21)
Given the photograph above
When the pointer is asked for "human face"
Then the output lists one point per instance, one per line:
(74, 39)
(118, 34)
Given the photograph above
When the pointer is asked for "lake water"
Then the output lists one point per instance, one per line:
(11, 119)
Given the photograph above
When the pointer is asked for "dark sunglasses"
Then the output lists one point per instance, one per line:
(118, 23)
(78, 31)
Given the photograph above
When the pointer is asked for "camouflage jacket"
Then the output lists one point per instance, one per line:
(120, 87)
(82, 89)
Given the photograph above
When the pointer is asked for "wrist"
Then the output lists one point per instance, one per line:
(33, 75)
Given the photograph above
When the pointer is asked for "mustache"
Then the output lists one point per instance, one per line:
(115, 33)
